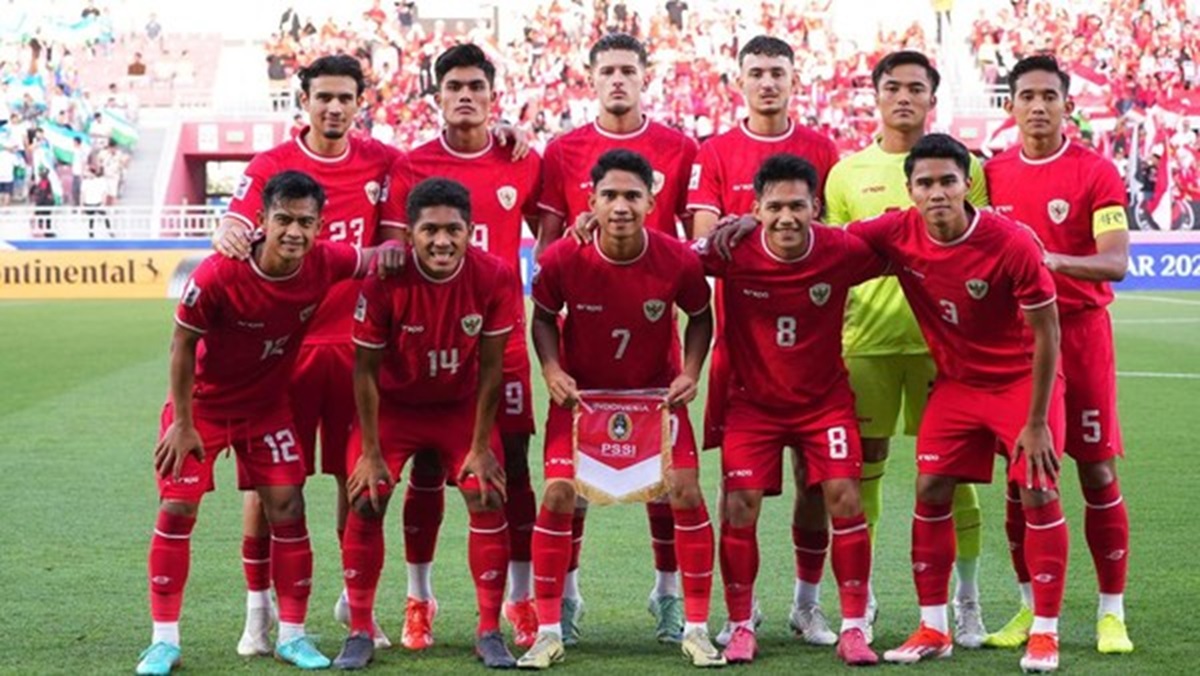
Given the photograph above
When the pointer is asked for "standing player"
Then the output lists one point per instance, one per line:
(239, 325)
(1075, 201)
(437, 332)
(619, 334)
(503, 193)
(352, 170)
(618, 74)
(885, 353)
(785, 292)
(722, 183)
(969, 277)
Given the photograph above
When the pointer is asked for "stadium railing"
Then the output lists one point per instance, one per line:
(123, 222)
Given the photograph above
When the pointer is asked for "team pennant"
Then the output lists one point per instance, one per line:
(622, 446)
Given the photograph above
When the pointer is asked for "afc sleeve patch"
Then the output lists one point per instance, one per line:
(694, 181)
(243, 187)
(360, 309)
(191, 294)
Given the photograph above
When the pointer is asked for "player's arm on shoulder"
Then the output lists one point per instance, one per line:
(387, 259)
(232, 237)
(977, 196)
(181, 437)
(549, 231)
(864, 262)
(713, 263)
(1035, 439)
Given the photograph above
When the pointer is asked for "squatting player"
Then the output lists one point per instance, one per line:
(885, 353)
(239, 325)
(619, 333)
(352, 169)
(722, 184)
(970, 277)
(503, 193)
(785, 292)
(1075, 201)
(617, 71)
(428, 368)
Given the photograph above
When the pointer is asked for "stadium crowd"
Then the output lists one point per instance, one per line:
(55, 135)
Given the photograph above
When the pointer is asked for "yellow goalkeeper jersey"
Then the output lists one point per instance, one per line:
(866, 184)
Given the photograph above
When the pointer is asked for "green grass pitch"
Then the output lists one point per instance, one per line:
(81, 384)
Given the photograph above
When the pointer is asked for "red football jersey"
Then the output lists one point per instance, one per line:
(353, 184)
(722, 179)
(1057, 197)
(431, 328)
(503, 192)
(783, 319)
(567, 172)
(253, 325)
(968, 294)
(620, 328)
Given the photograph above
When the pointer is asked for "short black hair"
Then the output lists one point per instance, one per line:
(464, 56)
(1038, 62)
(905, 57)
(938, 146)
(614, 42)
(335, 65)
(292, 185)
(765, 45)
(437, 192)
(785, 167)
(623, 160)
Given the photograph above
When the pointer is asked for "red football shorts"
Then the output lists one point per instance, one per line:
(825, 437)
(964, 427)
(267, 449)
(322, 392)
(559, 458)
(1090, 367)
(515, 415)
(445, 429)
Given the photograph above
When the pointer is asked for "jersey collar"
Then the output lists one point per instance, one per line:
(633, 134)
(433, 280)
(1045, 160)
(325, 159)
(961, 238)
(461, 155)
(812, 238)
(270, 278)
(631, 261)
(744, 125)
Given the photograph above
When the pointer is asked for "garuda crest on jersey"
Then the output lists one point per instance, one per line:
(373, 191)
(654, 309)
(659, 181)
(471, 324)
(819, 293)
(977, 288)
(507, 195)
(1058, 209)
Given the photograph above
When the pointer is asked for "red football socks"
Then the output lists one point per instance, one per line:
(1106, 524)
(521, 512)
(662, 535)
(256, 562)
(1014, 527)
(1046, 555)
(739, 568)
(291, 568)
(487, 551)
(810, 546)
(362, 561)
(933, 549)
(424, 504)
(577, 522)
(694, 551)
(552, 538)
(851, 558)
(170, 558)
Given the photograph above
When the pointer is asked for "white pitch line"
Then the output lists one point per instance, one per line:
(1173, 320)
(1160, 299)
(1154, 374)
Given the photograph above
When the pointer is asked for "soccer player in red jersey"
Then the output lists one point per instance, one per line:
(785, 295)
(239, 326)
(352, 169)
(970, 276)
(611, 339)
(722, 183)
(1075, 201)
(618, 74)
(428, 367)
(503, 194)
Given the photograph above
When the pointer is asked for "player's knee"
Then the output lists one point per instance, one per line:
(685, 492)
(476, 504)
(1034, 498)
(809, 506)
(366, 510)
(842, 499)
(742, 508)
(875, 449)
(284, 503)
(180, 508)
(559, 497)
(935, 490)
(1096, 475)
